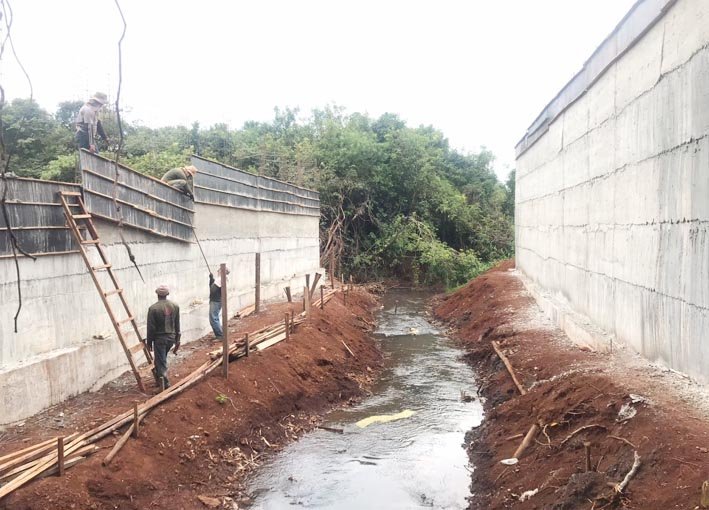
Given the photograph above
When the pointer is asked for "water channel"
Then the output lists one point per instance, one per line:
(413, 462)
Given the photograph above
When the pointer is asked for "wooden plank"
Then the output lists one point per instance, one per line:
(272, 341)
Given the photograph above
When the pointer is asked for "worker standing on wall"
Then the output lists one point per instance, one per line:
(163, 333)
(88, 125)
(181, 178)
(215, 303)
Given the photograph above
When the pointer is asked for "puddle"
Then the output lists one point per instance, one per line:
(416, 461)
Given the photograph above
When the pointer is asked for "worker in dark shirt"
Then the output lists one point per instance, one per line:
(215, 304)
(182, 179)
(163, 333)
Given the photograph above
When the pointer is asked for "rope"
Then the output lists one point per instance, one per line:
(5, 157)
(116, 205)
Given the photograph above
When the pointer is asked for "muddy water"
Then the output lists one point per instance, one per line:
(414, 462)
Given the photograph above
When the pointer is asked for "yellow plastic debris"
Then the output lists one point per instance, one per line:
(384, 418)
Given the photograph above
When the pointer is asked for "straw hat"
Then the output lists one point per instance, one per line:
(190, 169)
(100, 98)
(162, 291)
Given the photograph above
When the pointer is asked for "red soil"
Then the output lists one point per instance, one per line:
(671, 438)
(194, 446)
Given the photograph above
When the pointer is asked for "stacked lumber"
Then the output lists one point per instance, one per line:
(42, 459)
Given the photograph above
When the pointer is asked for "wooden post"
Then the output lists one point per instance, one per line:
(344, 295)
(314, 285)
(288, 295)
(306, 299)
(287, 327)
(292, 322)
(257, 291)
(60, 455)
(135, 420)
(331, 269)
(225, 320)
(587, 448)
(307, 281)
(322, 297)
(247, 346)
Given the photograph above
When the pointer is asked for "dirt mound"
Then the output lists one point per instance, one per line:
(205, 441)
(579, 404)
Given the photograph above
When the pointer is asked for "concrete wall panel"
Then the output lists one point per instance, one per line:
(613, 216)
(65, 342)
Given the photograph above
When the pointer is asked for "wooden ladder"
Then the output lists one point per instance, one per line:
(76, 212)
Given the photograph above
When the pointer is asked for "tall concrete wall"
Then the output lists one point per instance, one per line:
(56, 352)
(612, 205)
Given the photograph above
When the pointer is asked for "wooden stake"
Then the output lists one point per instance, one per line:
(531, 434)
(287, 327)
(246, 344)
(306, 298)
(509, 367)
(307, 281)
(60, 455)
(314, 285)
(348, 349)
(225, 319)
(322, 298)
(331, 268)
(257, 288)
(587, 448)
(119, 444)
(136, 424)
(288, 295)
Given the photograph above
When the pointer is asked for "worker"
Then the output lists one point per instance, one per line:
(88, 125)
(163, 333)
(181, 178)
(215, 303)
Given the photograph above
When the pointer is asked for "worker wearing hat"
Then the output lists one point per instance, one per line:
(215, 303)
(181, 178)
(163, 333)
(88, 125)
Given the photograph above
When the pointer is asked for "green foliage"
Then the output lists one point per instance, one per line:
(395, 200)
(63, 168)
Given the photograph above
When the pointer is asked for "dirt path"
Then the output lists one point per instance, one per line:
(627, 405)
(200, 446)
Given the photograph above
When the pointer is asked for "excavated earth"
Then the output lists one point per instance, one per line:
(196, 450)
(625, 404)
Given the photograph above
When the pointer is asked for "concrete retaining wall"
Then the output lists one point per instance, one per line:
(55, 353)
(612, 205)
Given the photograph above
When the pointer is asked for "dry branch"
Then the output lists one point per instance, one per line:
(581, 429)
(634, 469)
(509, 367)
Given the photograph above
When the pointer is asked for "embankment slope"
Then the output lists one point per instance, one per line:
(199, 445)
(577, 396)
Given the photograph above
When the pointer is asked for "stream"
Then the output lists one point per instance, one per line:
(413, 462)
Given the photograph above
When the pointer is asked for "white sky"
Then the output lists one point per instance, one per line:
(479, 70)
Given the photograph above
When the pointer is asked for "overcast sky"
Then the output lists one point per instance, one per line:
(479, 70)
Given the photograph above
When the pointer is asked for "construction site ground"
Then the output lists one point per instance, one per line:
(196, 450)
(616, 403)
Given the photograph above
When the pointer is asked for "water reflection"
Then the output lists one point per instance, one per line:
(416, 462)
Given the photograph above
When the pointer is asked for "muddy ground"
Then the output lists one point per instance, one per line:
(570, 388)
(196, 450)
